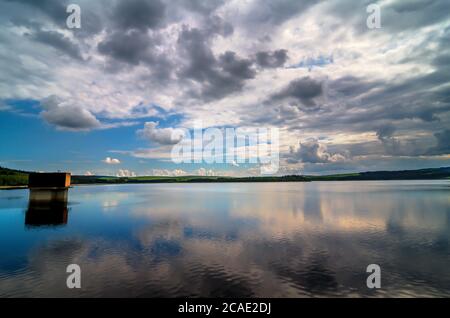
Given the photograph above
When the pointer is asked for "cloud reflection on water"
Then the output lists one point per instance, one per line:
(266, 240)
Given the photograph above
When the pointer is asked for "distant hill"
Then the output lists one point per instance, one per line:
(9, 177)
(182, 179)
(420, 174)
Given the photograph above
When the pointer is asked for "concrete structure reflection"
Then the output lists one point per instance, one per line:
(47, 204)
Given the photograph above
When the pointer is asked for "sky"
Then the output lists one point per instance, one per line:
(107, 98)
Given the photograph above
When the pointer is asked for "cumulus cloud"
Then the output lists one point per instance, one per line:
(206, 172)
(111, 161)
(66, 116)
(168, 173)
(123, 173)
(311, 151)
(162, 136)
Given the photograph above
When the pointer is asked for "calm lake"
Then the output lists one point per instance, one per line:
(234, 239)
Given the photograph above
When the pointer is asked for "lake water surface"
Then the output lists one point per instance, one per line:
(234, 239)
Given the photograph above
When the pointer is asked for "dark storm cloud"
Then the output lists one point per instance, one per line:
(385, 131)
(198, 55)
(304, 90)
(391, 145)
(236, 67)
(217, 77)
(272, 59)
(129, 47)
(222, 75)
(417, 83)
(413, 98)
(58, 41)
(139, 14)
(408, 107)
(311, 151)
(133, 38)
(351, 86)
(400, 147)
(443, 139)
(443, 142)
(67, 117)
(363, 105)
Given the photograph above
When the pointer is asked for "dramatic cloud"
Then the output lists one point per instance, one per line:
(394, 146)
(129, 47)
(236, 67)
(215, 77)
(310, 68)
(312, 151)
(271, 59)
(302, 90)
